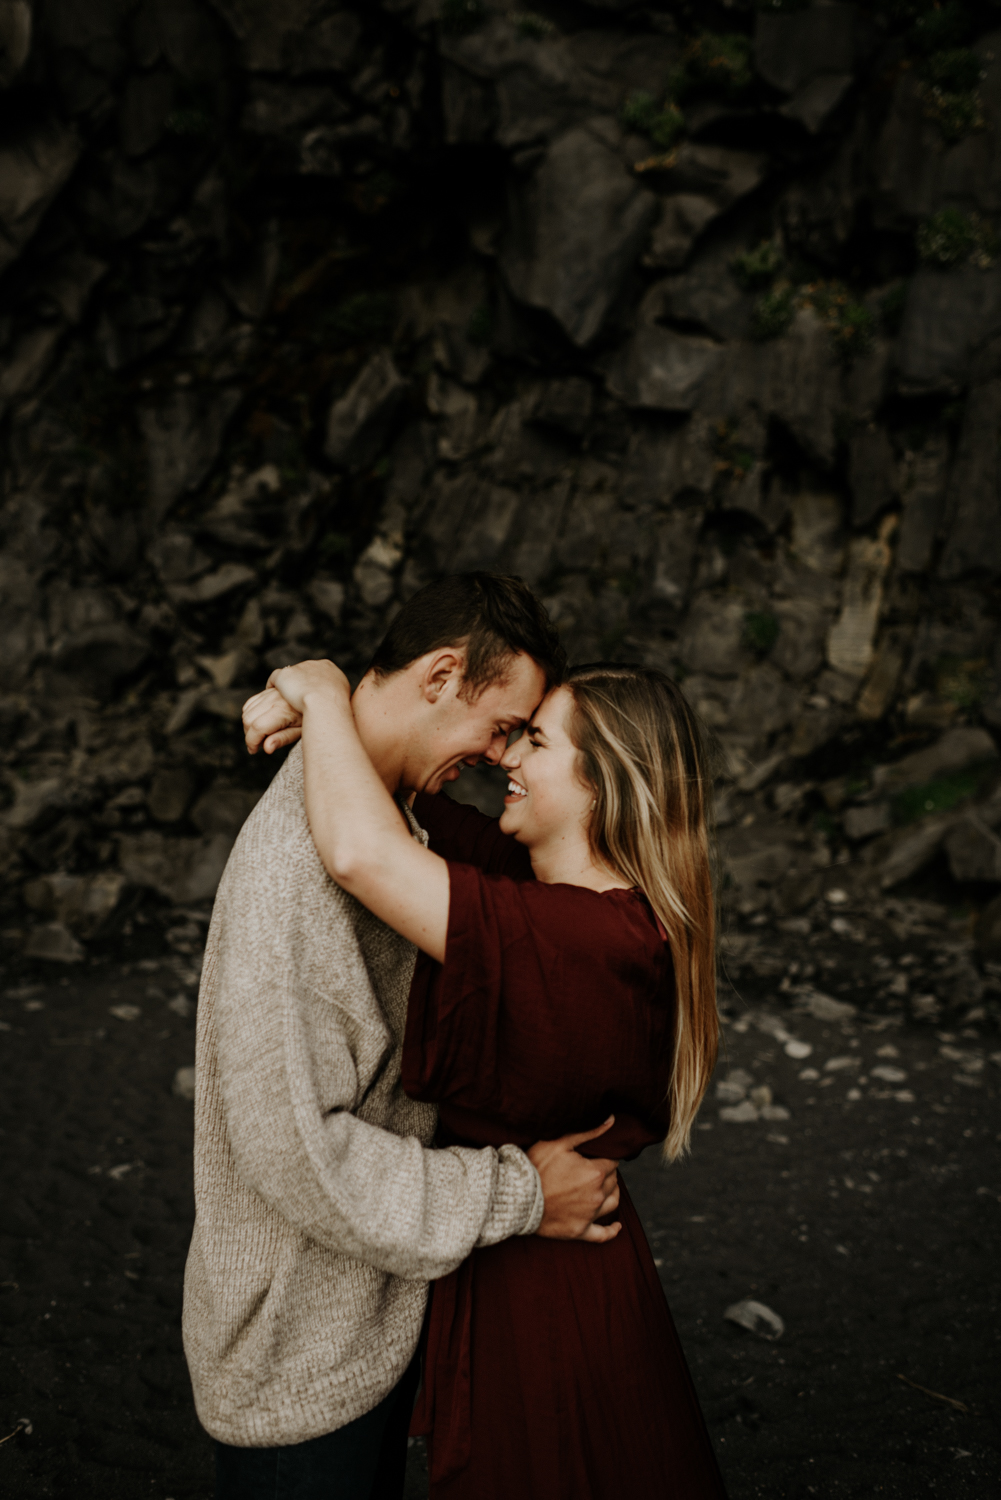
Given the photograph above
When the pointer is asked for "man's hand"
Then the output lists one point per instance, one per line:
(577, 1190)
(273, 719)
(269, 723)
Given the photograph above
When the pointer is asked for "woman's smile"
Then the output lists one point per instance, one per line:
(515, 791)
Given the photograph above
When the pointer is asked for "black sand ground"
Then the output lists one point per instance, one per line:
(869, 1226)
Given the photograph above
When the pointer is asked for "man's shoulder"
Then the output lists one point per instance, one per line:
(275, 851)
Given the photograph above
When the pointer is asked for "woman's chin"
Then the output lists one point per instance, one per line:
(510, 822)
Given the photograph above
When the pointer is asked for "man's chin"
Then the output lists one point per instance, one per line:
(434, 783)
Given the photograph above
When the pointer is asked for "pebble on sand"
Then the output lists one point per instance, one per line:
(184, 1083)
(756, 1318)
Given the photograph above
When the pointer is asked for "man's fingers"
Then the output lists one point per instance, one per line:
(600, 1234)
(609, 1204)
(280, 739)
(571, 1142)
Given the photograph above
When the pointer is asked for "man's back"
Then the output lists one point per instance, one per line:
(301, 1016)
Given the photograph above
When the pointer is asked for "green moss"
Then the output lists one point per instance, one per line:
(527, 23)
(639, 111)
(333, 546)
(949, 79)
(668, 127)
(719, 62)
(957, 70)
(891, 308)
(480, 328)
(940, 795)
(852, 330)
(825, 825)
(758, 268)
(761, 630)
(192, 114)
(850, 324)
(457, 17)
(951, 417)
(956, 115)
(662, 124)
(731, 458)
(941, 27)
(962, 681)
(950, 237)
(772, 315)
(189, 122)
(359, 319)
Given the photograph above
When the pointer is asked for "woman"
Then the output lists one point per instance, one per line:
(543, 1006)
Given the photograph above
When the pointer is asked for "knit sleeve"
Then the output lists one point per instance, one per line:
(301, 1047)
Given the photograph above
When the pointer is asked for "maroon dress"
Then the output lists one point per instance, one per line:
(553, 1370)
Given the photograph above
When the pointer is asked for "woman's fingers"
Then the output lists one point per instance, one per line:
(571, 1142)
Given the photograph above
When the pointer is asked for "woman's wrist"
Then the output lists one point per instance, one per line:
(330, 692)
(315, 680)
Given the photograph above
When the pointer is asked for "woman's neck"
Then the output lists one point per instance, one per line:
(569, 862)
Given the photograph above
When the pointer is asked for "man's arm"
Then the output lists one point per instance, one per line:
(293, 1060)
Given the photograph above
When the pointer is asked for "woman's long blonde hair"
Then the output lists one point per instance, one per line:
(642, 752)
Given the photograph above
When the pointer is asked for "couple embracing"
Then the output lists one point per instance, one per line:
(425, 1040)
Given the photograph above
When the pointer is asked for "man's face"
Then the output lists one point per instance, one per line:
(460, 731)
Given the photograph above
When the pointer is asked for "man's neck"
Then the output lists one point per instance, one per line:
(379, 720)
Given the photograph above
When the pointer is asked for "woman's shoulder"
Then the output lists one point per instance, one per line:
(618, 919)
(464, 835)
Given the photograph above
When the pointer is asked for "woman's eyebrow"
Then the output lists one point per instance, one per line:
(534, 729)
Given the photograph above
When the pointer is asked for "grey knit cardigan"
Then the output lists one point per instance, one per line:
(320, 1213)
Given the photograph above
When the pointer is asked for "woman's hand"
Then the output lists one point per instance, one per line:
(296, 683)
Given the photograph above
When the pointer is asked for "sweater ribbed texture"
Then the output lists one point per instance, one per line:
(320, 1214)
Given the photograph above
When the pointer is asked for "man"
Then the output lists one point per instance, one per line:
(321, 1212)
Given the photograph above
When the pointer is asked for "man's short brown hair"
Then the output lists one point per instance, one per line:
(492, 615)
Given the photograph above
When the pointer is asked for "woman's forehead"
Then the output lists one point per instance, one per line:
(553, 712)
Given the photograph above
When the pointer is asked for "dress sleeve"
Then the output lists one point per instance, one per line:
(550, 1012)
(464, 834)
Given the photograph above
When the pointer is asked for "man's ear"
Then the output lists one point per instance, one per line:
(444, 670)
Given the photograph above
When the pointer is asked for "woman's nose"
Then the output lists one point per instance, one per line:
(510, 760)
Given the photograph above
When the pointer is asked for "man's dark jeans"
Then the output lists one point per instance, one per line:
(366, 1460)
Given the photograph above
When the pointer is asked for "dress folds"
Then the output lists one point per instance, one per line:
(552, 1369)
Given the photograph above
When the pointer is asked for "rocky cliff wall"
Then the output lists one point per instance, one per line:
(690, 315)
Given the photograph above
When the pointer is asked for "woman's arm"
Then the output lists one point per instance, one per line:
(358, 829)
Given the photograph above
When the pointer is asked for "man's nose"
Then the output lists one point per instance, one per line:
(495, 750)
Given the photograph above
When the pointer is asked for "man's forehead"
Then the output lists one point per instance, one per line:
(519, 693)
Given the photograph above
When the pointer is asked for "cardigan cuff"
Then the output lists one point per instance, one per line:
(516, 1203)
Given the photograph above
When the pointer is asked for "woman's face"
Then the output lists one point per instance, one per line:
(546, 802)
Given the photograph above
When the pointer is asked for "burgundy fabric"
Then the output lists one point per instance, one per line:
(553, 1369)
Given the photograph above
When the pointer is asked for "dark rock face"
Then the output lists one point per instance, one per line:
(974, 543)
(306, 304)
(790, 50)
(948, 317)
(577, 225)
